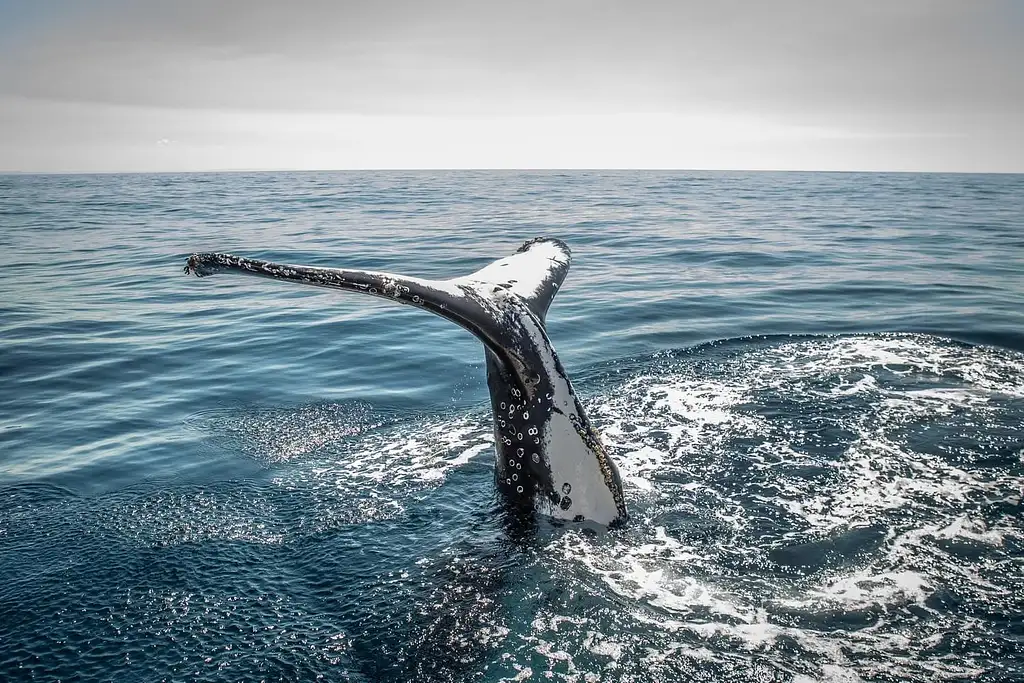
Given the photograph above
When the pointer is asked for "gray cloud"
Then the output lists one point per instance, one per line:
(387, 55)
(938, 67)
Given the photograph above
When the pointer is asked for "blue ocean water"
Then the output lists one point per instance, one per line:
(813, 384)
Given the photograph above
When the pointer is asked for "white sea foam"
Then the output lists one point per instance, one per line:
(677, 432)
(780, 503)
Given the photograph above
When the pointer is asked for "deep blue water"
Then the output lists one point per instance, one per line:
(813, 385)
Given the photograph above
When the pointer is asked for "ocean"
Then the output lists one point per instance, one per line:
(812, 383)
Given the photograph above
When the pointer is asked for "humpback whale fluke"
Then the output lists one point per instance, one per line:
(549, 458)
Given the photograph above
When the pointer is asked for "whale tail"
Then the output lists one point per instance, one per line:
(534, 273)
(504, 305)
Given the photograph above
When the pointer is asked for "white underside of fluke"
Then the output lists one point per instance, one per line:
(524, 272)
(576, 471)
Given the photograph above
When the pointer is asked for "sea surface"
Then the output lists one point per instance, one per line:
(813, 385)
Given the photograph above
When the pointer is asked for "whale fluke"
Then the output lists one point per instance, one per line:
(548, 456)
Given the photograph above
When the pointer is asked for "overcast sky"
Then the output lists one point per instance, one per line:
(125, 85)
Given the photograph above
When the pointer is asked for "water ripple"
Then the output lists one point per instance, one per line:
(813, 383)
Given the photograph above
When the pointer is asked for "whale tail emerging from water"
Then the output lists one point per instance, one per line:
(533, 274)
(549, 457)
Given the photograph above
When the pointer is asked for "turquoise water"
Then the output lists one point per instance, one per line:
(813, 385)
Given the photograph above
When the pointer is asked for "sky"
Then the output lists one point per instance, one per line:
(193, 85)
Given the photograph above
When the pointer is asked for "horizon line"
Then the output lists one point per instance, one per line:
(4, 172)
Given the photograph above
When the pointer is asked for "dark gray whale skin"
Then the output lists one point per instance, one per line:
(549, 459)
